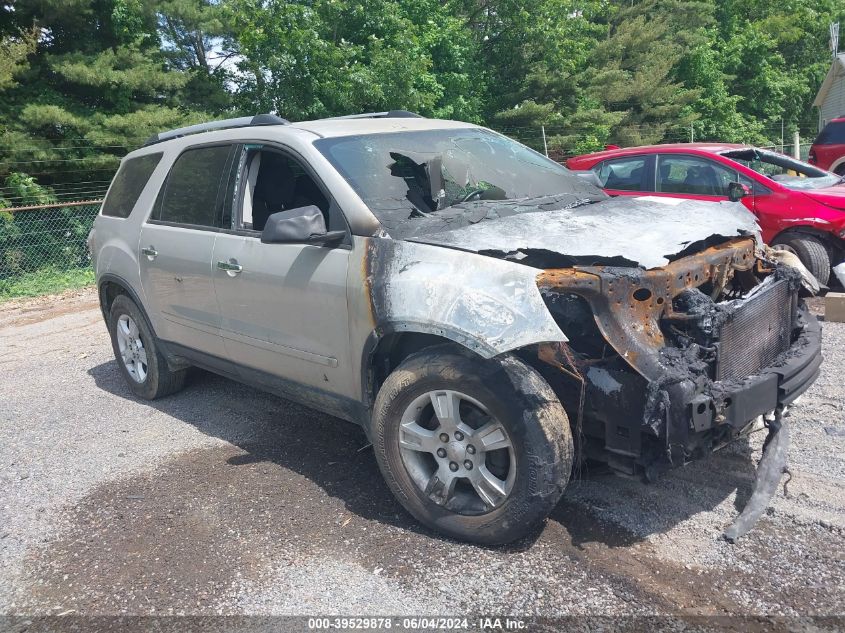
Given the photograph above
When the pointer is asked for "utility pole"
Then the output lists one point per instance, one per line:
(545, 146)
(834, 39)
(796, 146)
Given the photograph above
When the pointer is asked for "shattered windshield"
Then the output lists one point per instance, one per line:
(787, 171)
(426, 178)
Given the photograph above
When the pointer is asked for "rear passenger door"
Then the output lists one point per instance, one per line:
(176, 246)
(629, 175)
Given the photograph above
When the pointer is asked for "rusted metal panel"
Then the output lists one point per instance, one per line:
(628, 303)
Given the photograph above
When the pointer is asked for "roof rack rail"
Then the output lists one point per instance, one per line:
(226, 124)
(390, 114)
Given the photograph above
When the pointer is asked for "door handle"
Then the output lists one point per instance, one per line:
(232, 267)
(150, 252)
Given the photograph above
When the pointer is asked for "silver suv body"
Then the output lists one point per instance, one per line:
(487, 316)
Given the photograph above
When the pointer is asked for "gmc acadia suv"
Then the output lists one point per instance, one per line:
(487, 316)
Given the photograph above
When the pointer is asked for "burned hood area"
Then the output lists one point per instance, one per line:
(572, 229)
(663, 326)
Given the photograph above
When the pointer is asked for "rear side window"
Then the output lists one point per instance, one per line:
(193, 193)
(622, 174)
(832, 134)
(128, 184)
(692, 175)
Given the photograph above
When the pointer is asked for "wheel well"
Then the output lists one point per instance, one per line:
(109, 291)
(394, 348)
(833, 245)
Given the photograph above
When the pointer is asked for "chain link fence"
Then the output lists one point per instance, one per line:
(43, 248)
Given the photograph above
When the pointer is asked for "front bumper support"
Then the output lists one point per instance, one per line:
(769, 471)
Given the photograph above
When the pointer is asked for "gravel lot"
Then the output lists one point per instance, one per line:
(222, 499)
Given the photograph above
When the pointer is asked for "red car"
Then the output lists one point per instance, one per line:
(828, 150)
(800, 207)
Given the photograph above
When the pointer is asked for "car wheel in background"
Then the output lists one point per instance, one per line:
(480, 450)
(810, 251)
(137, 353)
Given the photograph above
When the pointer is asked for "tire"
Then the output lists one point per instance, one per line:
(840, 169)
(500, 401)
(144, 368)
(810, 251)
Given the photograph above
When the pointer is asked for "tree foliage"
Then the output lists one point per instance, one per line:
(85, 80)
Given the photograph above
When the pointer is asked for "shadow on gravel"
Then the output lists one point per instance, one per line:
(335, 456)
(332, 453)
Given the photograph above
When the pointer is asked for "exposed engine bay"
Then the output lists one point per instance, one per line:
(666, 364)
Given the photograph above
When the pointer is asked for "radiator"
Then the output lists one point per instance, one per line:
(757, 332)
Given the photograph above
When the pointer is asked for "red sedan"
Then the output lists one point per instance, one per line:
(799, 207)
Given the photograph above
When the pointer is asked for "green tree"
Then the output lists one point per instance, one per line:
(632, 78)
(196, 40)
(14, 49)
(97, 83)
(327, 57)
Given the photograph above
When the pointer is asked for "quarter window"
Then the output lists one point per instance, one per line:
(194, 191)
(693, 175)
(128, 184)
(623, 174)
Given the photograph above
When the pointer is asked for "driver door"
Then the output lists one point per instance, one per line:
(283, 312)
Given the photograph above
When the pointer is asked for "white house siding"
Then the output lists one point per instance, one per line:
(833, 102)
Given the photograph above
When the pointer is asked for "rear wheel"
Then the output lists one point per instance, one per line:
(810, 251)
(138, 357)
(840, 170)
(480, 450)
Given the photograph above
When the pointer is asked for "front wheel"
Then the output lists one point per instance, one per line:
(810, 251)
(480, 450)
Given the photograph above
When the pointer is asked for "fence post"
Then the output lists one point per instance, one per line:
(796, 146)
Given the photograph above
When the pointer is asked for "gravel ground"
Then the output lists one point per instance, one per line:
(225, 500)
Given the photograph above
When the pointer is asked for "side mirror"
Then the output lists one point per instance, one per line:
(590, 176)
(304, 225)
(737, 191)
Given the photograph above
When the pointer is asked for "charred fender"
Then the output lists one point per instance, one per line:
(488, 305)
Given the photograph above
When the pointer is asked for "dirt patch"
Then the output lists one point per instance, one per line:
(17, 312)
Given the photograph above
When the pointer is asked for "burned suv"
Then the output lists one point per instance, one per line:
(488, 317)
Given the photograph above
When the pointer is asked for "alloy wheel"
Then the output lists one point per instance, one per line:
(456, 453)
(131, 347)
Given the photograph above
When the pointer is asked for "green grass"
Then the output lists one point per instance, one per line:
(44, 282)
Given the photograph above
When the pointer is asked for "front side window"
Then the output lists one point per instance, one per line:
(693, 175)
(274, 182)
(789, 172)
(194, 191)
(623, 174)
(128, 184)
